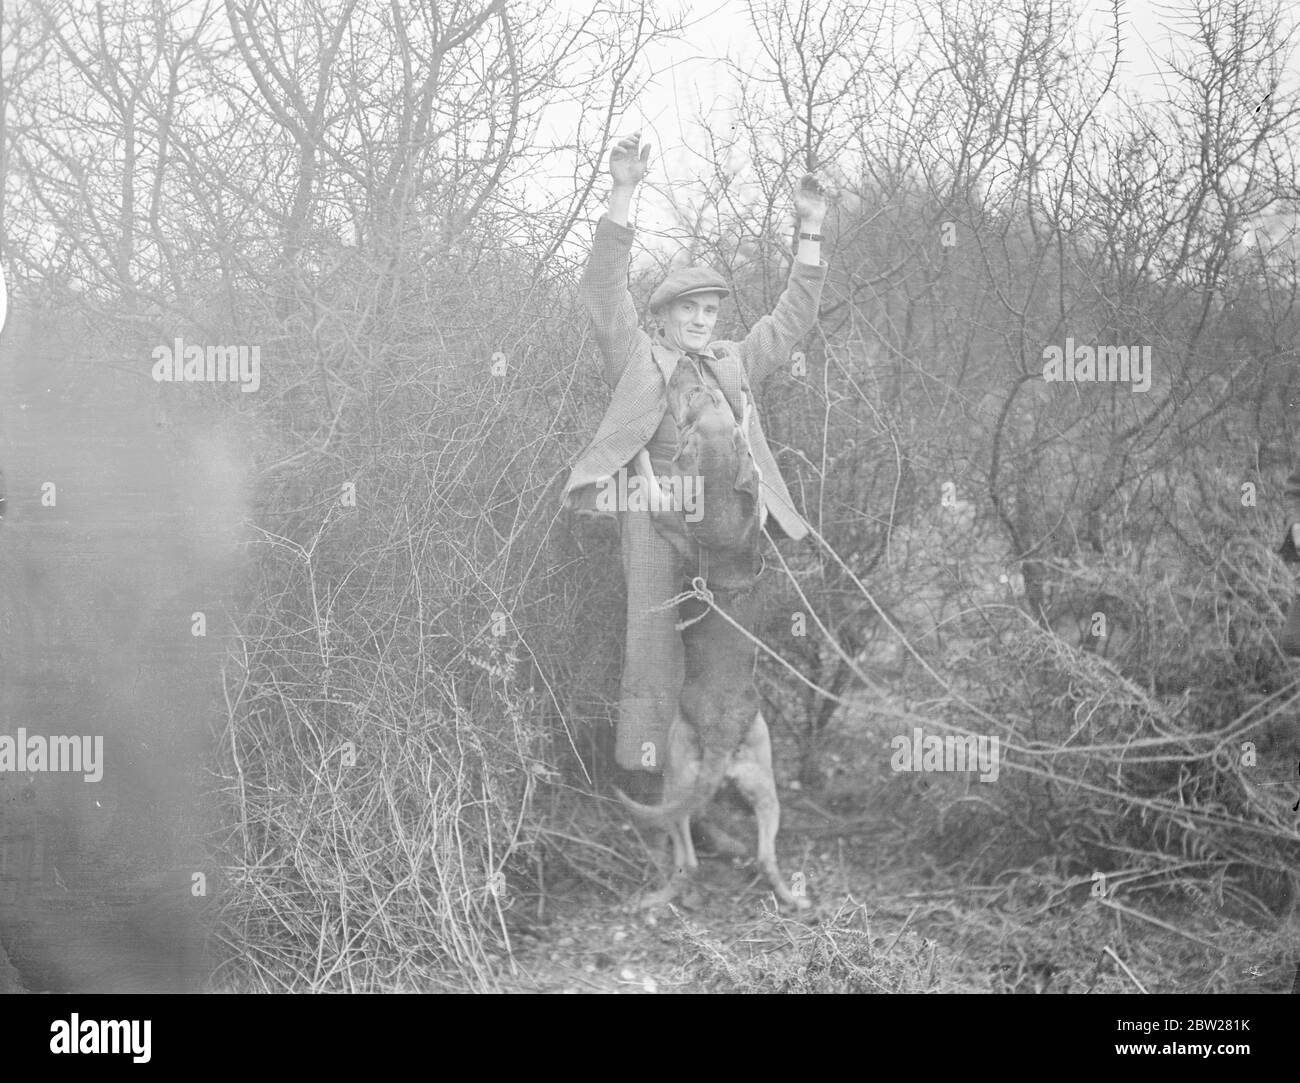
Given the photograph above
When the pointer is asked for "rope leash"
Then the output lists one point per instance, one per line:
(699, 589)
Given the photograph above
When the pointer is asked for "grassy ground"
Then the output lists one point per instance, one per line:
(883, 923)
(900, 906)
(903, 902)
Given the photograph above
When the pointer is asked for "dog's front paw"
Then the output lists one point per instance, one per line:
(679, 889)
(690, 898)
(789, 900)
(653, 900)
(794, 895)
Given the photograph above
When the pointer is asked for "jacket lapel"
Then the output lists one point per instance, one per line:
(724, 369)
(727, 373)
(665, 359)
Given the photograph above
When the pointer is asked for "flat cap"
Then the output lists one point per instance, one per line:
(686, 281)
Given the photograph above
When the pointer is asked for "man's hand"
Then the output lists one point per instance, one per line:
(664, 485)
(810, 202)
(629, 161)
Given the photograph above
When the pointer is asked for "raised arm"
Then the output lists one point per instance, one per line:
(768, 345)
(603, 289)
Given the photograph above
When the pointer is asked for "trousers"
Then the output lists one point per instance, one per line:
(654, 662)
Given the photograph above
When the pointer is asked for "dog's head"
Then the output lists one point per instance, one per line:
(714, 451)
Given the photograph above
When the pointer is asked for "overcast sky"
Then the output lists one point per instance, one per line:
(689, 78)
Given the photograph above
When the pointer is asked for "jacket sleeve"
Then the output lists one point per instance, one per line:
(1291, 495)
(767, 346)
(603, 293)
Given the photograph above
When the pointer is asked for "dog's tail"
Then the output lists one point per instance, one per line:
(712, 769)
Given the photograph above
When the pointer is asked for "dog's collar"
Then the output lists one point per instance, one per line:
(739, 584)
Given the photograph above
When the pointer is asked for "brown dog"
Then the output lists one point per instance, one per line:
(718, 732)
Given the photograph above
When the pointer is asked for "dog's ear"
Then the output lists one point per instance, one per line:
(681, 381)
(687, 460)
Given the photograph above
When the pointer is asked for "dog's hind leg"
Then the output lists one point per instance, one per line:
(683, 871)
(679, 777)
(752, 773)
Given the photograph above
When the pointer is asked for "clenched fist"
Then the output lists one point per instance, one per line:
(810, 200)
(629, 161)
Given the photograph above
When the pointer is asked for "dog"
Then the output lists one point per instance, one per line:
(718, 732)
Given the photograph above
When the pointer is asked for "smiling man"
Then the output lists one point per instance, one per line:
(638, 367)
(688, 323)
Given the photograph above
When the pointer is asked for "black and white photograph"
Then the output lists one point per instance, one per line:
(635, 497)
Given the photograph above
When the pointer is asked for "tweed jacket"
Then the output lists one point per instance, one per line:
(1291, 496)
(1291, 493)
(638, 369)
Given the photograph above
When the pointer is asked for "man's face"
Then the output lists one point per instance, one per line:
(688, 321)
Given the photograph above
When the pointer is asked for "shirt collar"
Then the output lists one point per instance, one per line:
(667, 356)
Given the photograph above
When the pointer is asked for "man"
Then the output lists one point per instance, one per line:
(1290, 550)
(638, 368)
